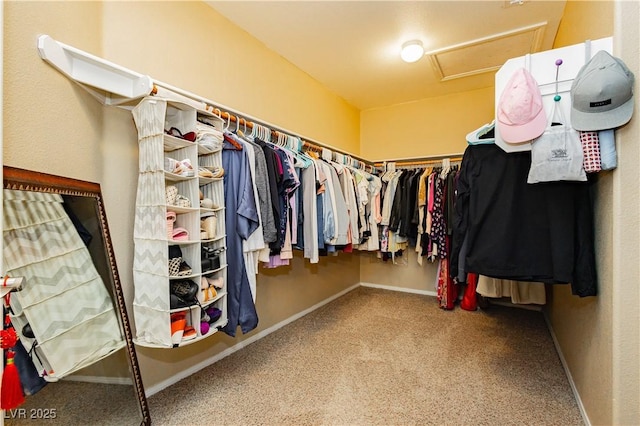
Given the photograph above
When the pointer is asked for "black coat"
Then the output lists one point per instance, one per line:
(518, 231)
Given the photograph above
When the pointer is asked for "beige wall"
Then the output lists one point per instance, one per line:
(626, 234)
(405, 273)
(189, 45)
(427, 127)
(583, 327)
(52, 125)
(584, 21)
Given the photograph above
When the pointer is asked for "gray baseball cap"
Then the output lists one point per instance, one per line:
(601, 94)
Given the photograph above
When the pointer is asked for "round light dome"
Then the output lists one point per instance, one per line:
(412, 51)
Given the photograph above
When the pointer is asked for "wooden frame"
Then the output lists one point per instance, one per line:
(26, 180)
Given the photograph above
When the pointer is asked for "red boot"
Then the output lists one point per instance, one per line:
(469, 302)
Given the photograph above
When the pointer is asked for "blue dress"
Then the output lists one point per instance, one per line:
(241, 220)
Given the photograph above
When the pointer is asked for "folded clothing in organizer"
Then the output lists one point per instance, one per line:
(208, 223)
(209, 137)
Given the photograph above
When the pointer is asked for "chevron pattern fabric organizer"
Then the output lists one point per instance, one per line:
(151, 305)
(65, 300)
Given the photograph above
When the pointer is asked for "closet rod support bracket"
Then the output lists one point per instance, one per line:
(111, 84)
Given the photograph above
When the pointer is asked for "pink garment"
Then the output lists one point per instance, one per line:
(279, 165)
(376, 208)
(432, 191)
(275, 261)
(293, 202)
(447, 289)
(287, 251)
(590, 151)
(322, 178)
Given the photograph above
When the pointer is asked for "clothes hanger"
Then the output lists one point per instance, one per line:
(254, 132)
(312, 154)
(238, 131)
(304, 160)
(482, 135)
(226, 127)
(326, 154)
(229, 137)
(446, 166)
(267, 133)
(219, 115)
(235, 131)
(390, 169)
(243, 133)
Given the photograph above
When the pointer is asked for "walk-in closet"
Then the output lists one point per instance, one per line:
(321, 213)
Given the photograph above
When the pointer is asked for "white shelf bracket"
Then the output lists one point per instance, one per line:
(10, 284)
(111, 84)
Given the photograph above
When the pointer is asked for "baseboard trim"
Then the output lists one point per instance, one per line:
(574, 389)
(401, 289)
(197, 367)
(101, 380)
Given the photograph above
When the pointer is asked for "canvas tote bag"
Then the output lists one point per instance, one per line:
(557, 154)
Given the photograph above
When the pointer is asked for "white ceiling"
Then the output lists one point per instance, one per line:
(353, 47)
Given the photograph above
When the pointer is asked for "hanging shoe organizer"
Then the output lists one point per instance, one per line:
(170, 304)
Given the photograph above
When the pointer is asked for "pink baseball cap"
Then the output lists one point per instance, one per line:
(521, 114)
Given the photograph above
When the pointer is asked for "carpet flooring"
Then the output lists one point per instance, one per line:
(68, 403)
(381, 357)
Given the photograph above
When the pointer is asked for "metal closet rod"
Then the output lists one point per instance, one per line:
(425, 162)
(112, 84)
(436, 159)
(224, 112)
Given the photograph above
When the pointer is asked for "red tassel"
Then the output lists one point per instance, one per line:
(8, 338)
(11, 395)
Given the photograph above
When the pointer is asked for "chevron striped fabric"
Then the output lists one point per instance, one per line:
(150, 262)
(64, 299)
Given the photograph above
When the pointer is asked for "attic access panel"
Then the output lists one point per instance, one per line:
(486, 54)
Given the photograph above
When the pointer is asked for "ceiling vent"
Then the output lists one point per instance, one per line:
(486, 54)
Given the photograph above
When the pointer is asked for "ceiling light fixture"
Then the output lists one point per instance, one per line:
(412, 51)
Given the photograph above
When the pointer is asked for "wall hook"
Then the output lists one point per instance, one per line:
(557, 97)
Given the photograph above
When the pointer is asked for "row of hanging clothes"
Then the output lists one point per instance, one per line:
(491, 234)
(418, 214)
(281, 195)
